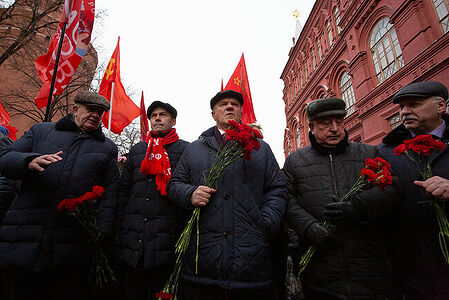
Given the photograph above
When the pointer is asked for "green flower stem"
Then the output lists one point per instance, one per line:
(307, 256)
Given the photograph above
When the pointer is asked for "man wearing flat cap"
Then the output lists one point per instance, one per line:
(150, 223)
(350, 257)
(418, 263)
(45, 249)
(237, 218)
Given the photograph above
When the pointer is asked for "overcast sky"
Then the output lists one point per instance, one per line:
(178, 52)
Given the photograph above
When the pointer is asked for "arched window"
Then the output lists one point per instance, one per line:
(337, 19)
(385, 50)
(305, 72)
(347, 92)
(329, 33)
(298, 138)
(312, 53)
(318, 48)
(442, 8)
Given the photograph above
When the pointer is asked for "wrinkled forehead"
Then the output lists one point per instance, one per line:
(228, 100)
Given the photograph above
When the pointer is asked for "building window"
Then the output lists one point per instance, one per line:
(305, 72)
(347, 92)
(395, 121)
(442, 8)
(318, 48)
(301, 78)
(298, 138)
(329, 33)
(313, 59)
(337, 19)
(385, 50)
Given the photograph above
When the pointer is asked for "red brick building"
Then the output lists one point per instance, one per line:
(364, 51)
(19, 82)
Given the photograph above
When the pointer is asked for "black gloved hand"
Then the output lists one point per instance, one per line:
(316, 233)
(345, 211)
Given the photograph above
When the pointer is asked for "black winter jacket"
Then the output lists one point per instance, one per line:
(7, 185)
(417, 259)
(34, 236)
(353, 265)
(236, 224)
(150, 223)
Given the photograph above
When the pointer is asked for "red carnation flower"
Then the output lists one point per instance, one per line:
(402, 148)
(164, 295)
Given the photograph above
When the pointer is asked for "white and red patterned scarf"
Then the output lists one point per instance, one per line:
(156, 160)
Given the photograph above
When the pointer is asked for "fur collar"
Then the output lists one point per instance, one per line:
(400, 134)
(67, 123)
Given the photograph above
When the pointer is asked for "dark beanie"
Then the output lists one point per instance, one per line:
(327, 107)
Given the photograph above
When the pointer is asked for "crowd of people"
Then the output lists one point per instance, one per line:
(381, 243)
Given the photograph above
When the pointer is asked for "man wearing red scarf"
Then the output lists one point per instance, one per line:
(149, 223)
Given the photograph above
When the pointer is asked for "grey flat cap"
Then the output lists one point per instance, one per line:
(89, 98)
(423, 89)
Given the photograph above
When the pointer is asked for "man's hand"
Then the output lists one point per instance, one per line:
(41, 162)
(201, 195)
(316, 233)
(436, 186)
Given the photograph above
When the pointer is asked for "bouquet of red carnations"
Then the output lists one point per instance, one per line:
(376, 171)
(84, 212)
(240, 141)
(423, 146)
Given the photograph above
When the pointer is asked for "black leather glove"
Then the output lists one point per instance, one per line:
(316, 233)
(351, 210)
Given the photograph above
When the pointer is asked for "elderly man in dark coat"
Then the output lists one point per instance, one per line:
(57, 161)
(350, 261)
(150, 223)
(419, 267)
(237, 218)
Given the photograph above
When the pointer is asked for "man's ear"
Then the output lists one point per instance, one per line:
(213, 115)
(75, 108)
(311, 126)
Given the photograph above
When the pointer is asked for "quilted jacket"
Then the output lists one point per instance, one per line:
(150, 223)
(236, 224)
(34, 236)
(353, 263)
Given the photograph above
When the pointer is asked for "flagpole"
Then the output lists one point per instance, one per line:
(55, 73)
(110, 111)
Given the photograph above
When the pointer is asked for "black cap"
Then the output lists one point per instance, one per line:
(163, 105)
(226, 94)
(424, 89)
(89, 98)
(326, 107)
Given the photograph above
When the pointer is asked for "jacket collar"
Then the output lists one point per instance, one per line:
(67, 123)
(209, 137)
(400, 134)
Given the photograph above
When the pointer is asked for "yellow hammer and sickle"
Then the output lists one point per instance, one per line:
(109, 70)
(236, 81)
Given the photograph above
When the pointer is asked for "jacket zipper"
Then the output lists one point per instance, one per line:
(345, 258)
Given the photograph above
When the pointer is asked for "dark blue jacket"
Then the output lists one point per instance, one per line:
(34, 236)
(418, 263)
(236, 224)
(7, 185)
(150, 223)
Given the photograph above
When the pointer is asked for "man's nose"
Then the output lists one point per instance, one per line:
(334, 126)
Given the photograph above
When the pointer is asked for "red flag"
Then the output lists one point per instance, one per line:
(124, 110)
(5, 122)
(239, 83)
(79, 16)
(222, 85)
(143, 120)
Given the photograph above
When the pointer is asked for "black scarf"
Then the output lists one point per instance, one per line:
(326, 150)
